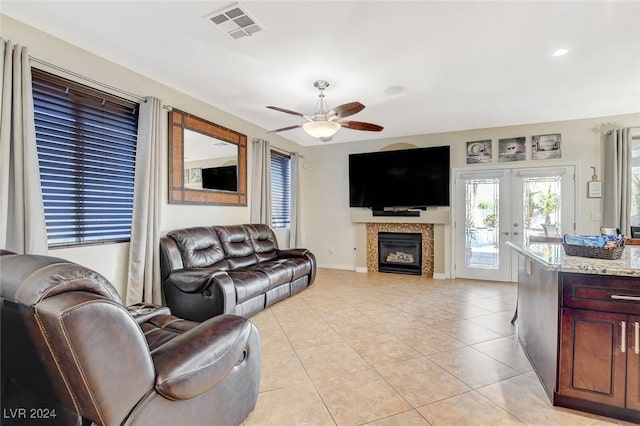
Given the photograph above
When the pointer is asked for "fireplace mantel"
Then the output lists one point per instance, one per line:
(436, 217)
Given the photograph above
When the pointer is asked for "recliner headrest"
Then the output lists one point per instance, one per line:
(27, 279)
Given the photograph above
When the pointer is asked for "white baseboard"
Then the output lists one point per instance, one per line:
(364, 270)
(336, 266)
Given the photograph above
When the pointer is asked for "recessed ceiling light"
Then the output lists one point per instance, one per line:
(560, 52)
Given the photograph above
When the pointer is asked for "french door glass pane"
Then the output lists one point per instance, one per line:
(481, 223)
(542, 206)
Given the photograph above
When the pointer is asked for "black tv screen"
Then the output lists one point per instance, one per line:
(223, 178)
(413, 178)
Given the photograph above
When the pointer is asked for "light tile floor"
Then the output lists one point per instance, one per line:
(388, 349)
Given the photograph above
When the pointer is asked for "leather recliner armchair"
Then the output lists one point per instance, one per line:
(69, 343)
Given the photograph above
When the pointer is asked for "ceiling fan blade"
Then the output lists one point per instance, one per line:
(359, 125)
(288, 111)
(345, 110)
(285, 128)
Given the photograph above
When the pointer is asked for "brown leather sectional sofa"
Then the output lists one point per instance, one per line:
(235, 269)
(72, 354)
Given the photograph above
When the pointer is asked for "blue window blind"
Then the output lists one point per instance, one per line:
(280, 190)
(86, 142)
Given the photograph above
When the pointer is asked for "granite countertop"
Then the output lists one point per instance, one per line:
(552, 257)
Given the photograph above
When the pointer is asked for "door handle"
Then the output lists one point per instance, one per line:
(624, 297)
(623, 343)
(636, 326)
(516, 233)
(506, 233)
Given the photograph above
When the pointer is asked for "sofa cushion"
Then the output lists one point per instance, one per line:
(237, 246)
(248, 284)
(299, 267)
(277, 272)
(264, 242)
(199, 246)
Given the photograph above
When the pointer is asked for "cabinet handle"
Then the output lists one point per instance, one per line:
(623, 343)
(636, 325)
(623, 297)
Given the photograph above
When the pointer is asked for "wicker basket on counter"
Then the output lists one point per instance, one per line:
(610, 253)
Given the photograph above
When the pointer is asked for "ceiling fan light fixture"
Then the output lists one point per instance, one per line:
(321, 129)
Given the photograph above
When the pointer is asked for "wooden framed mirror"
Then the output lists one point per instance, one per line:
(207, 162)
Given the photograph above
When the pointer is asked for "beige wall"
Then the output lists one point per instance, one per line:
(332, 236)
(327, 229)
(110, 260)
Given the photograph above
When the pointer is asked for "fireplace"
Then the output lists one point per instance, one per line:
(373, 229)
(400, 252)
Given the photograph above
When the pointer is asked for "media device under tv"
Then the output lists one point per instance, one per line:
(397, 181)
(405, 212)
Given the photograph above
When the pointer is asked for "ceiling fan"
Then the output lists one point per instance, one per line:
(324, 123)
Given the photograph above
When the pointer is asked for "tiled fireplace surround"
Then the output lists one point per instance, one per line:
(433, 224)
(419, 228)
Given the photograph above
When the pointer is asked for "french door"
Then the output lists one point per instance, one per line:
(494, 206)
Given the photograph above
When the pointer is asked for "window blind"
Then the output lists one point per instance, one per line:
(86, 141)
(280, 190)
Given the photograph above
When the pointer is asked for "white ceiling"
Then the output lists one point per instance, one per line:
(419, 66)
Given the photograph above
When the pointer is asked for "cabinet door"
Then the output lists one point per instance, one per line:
(592, 366)
(633, 363)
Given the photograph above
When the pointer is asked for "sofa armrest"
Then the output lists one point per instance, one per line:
(297, 253)
(143, 312)
(292, 252)
(211, 288)
(170, 257)
(227, 290)
(194, 362)
(194, 280)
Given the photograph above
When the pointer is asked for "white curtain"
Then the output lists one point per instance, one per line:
(294, 230)
(22, 225)
(261, 183)
(144, 284)
(617, 180)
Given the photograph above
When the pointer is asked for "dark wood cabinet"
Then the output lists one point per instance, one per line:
(599, 344)
(581, 329)
(592, 366)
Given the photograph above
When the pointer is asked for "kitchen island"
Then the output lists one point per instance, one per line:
(579, 324)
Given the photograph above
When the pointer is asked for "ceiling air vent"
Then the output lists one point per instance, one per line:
(235, 22)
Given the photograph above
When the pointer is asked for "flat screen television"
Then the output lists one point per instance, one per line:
(223, 178)
(411, 178)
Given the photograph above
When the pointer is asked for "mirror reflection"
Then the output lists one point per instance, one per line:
(209, 163)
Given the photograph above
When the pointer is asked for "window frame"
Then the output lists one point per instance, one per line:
(280, 191)
(86, 141)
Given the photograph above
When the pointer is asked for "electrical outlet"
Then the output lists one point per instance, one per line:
(596, 216)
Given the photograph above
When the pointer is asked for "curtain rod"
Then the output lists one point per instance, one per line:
(608, 132)
(75, 74)
(280, 150)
